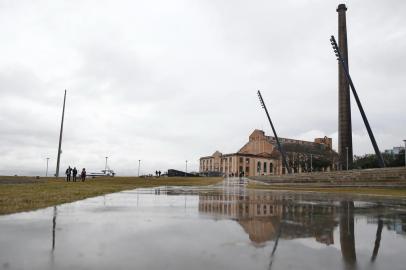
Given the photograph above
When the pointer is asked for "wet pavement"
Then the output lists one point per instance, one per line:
(221, 227)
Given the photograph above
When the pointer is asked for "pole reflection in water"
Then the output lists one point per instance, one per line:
(53, 228)
(52, 255)
(378, 239)
(275, 246)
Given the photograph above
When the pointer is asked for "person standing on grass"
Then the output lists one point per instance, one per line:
(83, 175)
(68, 173)
(74, 172)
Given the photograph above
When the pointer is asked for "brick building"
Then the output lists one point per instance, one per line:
(260, 156)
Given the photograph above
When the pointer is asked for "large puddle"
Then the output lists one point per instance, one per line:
(223, 227)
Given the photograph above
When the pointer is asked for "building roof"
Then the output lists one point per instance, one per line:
(260, 145)
(317, 150)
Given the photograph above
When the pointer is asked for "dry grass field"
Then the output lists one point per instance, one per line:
(27, 193)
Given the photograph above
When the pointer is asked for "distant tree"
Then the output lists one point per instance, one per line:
(366, 161)
(371, 161)
(320, 162)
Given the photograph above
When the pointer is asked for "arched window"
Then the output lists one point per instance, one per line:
(270, 167)
(264, 167)
(259, 167)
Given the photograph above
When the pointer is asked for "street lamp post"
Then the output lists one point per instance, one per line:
(105, 166)
(346, 150)
(46, 173)
(311, 162)
(405, 151)
(186, 169)
(139, 164)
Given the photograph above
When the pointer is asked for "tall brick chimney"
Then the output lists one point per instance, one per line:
(344, 106)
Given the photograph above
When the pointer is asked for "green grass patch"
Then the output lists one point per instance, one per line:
(27, 193)
(394, 192)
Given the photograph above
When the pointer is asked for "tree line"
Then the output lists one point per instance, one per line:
(371, 161)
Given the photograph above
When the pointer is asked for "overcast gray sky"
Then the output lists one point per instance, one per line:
(168, 81)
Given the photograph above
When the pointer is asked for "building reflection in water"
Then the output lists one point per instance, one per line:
(261, 215)
(267, 216)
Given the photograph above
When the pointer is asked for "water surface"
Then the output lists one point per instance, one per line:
(219, 227)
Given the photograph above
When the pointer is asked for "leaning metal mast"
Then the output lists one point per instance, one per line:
(274, 133)
(60, 137)
(364, 117)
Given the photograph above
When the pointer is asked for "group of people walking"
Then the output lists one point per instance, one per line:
(73, 172)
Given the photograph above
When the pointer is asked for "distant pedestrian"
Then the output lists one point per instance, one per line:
(68, 173)
(74, 173)
(83, 175)
(159, 173)
(156, 173)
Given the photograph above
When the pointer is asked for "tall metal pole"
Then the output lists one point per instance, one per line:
(364, 117)
(274, 132)
(46, 173)
(186, 169)
(139, 164)
(60, 137)
(346, 150)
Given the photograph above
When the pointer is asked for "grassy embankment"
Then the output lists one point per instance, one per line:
(26, 193)
(394, 192)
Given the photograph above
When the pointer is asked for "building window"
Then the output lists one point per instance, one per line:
(264, 167)
(247, 161)
(270, 167)
(247, 169)
(259, 167)
(241, 160)
(241, 169)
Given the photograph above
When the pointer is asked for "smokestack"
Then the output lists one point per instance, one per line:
(344, 106)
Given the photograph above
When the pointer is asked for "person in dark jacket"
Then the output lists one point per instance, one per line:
(74, 173)
(83, 175)
(68, 173)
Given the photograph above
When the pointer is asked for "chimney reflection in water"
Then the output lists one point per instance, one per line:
(347, 239)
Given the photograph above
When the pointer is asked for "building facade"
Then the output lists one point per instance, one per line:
(260, 156)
